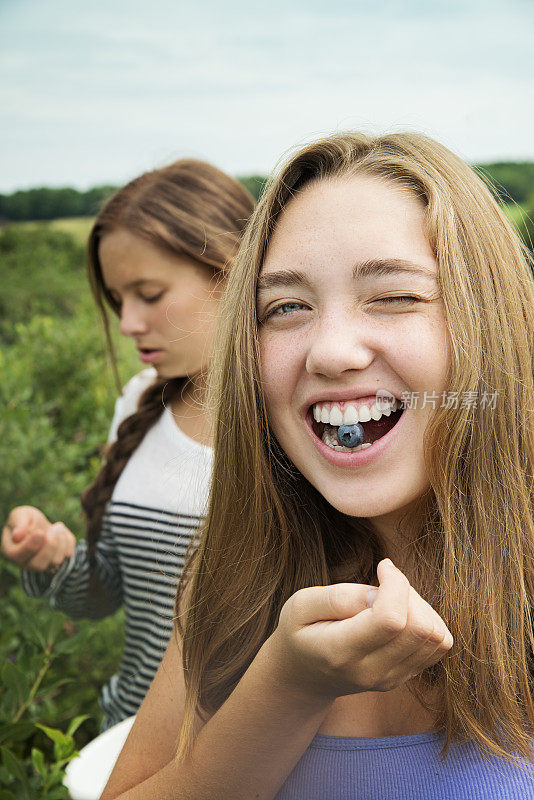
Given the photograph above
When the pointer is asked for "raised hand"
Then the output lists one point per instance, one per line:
(349, 638)
(30, 540)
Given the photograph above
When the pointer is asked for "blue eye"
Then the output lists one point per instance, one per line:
(284, 309)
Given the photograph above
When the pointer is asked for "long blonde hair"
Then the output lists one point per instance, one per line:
(269, 532)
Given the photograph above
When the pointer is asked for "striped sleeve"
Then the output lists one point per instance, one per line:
(68, 589)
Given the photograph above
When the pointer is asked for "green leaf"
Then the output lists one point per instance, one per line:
(75, 724)
(57, 793)
(57, 736)
(7, 795)
(6, 777)
(52, 687)
(16, 731)
(14, 767)
(13, 678)
(67, 646)
(63, 743)
(10, 704)
(38, 761)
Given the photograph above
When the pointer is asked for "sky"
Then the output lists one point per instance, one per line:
(97, 92)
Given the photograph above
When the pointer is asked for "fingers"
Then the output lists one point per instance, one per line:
(349, 638)
(320, 603)
(425, 657)
(24, 524)
(399, 636)
(26, 517)
(39, 550)
(387, 616)
(59, 543)
(424, 642)
(27, 544)
(393, 639)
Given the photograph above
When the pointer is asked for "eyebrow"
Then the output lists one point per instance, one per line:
(391, 266)
(365, 269)
(282, 277)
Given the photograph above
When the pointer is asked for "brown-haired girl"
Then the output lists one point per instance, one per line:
(158, 253)
(375, 398)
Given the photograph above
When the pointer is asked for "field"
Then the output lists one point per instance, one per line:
(77, 227)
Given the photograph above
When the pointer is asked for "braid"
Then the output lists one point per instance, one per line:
(130, 434)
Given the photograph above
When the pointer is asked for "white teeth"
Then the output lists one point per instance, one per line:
(364, 414)
(350, 416)
(336, 416)
(375, 412)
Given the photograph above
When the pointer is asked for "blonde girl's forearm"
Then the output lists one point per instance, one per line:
(247, 749)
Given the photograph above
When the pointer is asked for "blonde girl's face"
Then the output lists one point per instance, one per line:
(167, 304)
(349, 306)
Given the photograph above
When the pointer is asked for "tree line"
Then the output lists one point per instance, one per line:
(47, 203)
(513, 182)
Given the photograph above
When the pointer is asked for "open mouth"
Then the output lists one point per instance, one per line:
(372, 421)
(149, 355)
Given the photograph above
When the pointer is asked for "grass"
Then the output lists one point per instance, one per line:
(77, 227)
(80, 227)
(515, 213)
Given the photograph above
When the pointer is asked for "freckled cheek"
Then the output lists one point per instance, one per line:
(278, 368)
(423, 358)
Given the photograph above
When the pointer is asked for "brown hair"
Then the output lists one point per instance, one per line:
(188, 208)
(473, 538)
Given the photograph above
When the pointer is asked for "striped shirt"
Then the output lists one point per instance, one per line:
(157, 505)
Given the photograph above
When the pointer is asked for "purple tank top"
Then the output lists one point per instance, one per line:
(403, 768)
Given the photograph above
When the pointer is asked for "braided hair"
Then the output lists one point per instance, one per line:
(187, 208)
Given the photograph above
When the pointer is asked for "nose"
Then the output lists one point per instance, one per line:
(132, 320)
(339, 343)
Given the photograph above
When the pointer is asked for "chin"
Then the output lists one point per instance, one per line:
(166, 372)
(372, 504)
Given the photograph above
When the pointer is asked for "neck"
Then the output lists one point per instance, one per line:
(191, 413)
(393, 531)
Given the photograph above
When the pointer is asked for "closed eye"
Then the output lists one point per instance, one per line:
(398, 299)
(153, 298)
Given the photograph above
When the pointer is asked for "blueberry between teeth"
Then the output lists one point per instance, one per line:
(350, 435)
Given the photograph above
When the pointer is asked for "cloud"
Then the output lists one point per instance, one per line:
(94, 92)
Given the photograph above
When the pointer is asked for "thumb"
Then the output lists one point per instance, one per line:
(19, 533)
(326, 603)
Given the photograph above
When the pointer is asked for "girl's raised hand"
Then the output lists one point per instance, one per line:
(30, 540)
(348, 638)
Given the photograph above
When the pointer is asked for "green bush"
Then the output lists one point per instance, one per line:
(525, 223)
(57, 396)
(42, 273)
(512, 180)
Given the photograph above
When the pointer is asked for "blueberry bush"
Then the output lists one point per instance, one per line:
(56, 400)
